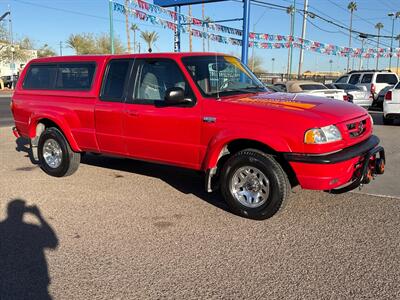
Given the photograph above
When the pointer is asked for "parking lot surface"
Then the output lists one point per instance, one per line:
(121, 229)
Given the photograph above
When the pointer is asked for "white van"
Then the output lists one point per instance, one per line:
(373, 80)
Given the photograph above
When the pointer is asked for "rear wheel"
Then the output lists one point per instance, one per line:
(254, 184)
(56, 157)
(387, 121)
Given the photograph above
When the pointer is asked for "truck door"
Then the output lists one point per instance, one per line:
(109, 108)
(153, 130)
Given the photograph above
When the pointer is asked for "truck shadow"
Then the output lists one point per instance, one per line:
(23, 266)
(184, 180)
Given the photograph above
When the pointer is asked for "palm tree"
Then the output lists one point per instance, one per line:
(150, 38)
(378, 26)
(352, 7)
(134, 28)
(208, 21)
(398, 54)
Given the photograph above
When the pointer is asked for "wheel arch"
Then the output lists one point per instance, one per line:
(221, 154)
(39, 123)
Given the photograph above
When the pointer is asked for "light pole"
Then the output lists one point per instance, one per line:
(303, 36)
(398, 54)
(362, 37)
(272, 67)
(378, 26)
(394, 16)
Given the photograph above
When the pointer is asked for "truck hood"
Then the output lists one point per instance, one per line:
(329, 109)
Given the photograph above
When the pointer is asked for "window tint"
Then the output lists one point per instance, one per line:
(354, 78)
(342, 79)
(155, 77)
(367, 78)
(60, 76)
(386, 78)
(40, 77)
(75, 76)
(115, 81)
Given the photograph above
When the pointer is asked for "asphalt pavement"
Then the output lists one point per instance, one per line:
(6, 118)
(123, 229)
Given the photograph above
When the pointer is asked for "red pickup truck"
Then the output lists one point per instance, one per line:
(203, 111)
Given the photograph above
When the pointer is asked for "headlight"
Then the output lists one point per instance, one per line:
(322, 135)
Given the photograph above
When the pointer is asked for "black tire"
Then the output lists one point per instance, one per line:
(69, 159)
(279, 184)
(387, 121)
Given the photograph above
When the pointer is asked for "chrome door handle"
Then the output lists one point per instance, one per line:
(209, 119)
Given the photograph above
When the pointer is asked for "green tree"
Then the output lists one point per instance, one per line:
(150, 38)
(46, 51)
(88, 43)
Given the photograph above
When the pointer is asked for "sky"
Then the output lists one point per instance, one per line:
(52, 21)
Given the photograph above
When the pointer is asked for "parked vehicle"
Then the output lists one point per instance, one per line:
(377, 104)
(391, 105)
(357, 95)
(206, 112)
(312, 88)
(272, 87)
(373, 80)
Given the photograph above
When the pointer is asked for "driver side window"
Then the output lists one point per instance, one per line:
(154, 77)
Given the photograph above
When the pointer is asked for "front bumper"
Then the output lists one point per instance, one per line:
(340, 171)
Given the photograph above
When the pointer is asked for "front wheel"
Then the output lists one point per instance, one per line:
(254, 184)
(55, 155)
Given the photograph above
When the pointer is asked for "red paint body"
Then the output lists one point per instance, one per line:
(178, 135)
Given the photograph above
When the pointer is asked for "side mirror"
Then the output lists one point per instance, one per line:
(176, 95)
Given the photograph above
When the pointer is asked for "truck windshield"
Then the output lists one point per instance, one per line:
(222, 75)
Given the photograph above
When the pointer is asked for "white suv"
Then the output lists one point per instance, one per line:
(391, 105)
(374, 81)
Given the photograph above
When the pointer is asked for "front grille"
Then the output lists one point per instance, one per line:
(356, 129)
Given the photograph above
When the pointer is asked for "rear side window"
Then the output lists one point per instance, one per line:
(62, 76)
(367, 78)
(386, 78)
(342, 79)
(75, 76)
(40, 77)
(397, 86)
(115, 81)
(354, 78)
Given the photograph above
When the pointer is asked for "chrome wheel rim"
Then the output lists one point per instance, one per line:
(250, 186)
(52, 153)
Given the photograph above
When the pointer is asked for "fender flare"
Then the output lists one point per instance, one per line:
(218, 143)
(61, 123)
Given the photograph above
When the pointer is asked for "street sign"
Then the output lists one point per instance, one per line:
(167, 3)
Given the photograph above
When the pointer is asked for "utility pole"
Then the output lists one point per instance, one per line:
(303, 36)
(110, 8)
(61, 48)
(128, 35)
(190, 29)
